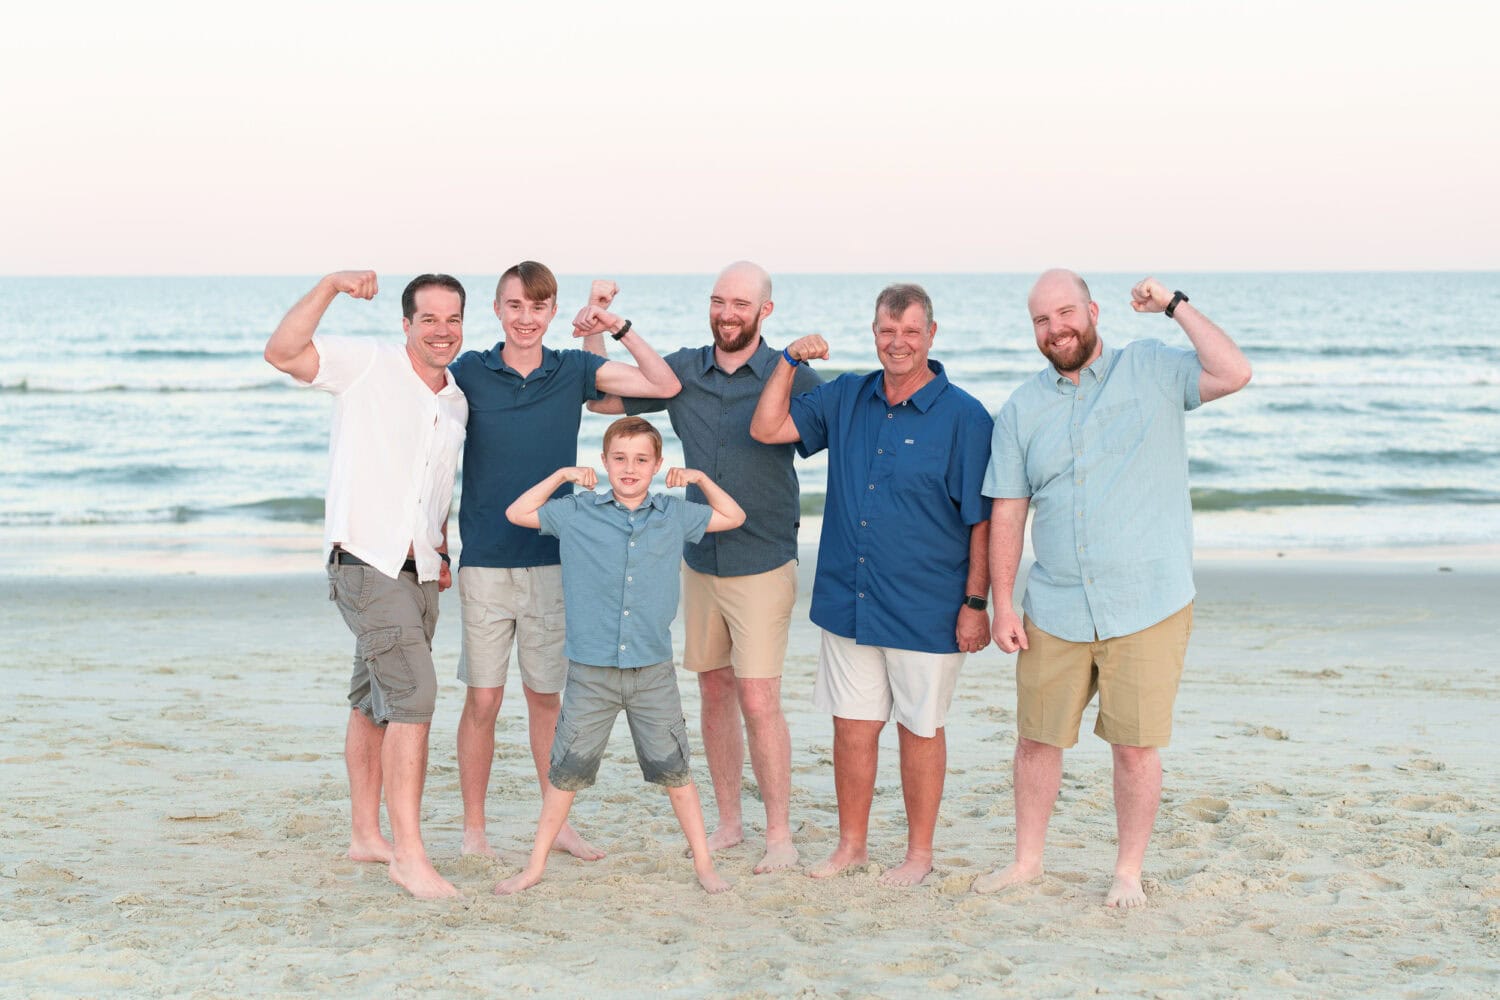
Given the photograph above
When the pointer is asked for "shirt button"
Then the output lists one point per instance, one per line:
(630, 579)
(627, 612)
(880, 451)
(861, 558)
(864, 524)
(872, 486)
(890, 416)
(632, 544)
(861, 595)
(622, 646)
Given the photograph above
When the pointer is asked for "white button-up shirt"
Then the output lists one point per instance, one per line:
(392, 454)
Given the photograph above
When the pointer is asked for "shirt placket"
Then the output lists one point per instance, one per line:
(881, 464)
(1083, 395)
(636, 523)
(424, 477)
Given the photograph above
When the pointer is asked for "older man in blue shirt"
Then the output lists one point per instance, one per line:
(1095, 444)
(902, 563)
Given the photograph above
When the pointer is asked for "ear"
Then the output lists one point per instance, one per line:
(553, 311)
(405, 325)
(657, 467)
(497, 310)
(931, 332)
(766, 309)
(1094, 312)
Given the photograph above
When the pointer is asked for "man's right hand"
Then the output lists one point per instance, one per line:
(1009, 631)
(580, 474)
(809, 347)
(355, 284)
(602, 292)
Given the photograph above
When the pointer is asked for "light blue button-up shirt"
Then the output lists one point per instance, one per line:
(1105, 465)
(621, 572)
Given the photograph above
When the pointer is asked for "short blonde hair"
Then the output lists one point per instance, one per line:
(632, 427)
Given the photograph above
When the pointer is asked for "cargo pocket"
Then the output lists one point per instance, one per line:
(391, 675)
(676, 772)
(349, 587)
(566, 771)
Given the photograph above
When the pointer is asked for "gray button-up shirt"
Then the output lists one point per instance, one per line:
(1105, 465)
(621, 575)
(711, 416)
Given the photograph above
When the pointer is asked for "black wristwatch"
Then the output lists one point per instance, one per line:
(624, 329)
(1172, 306)
(976, 602)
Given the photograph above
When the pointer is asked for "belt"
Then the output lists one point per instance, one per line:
(341, 558)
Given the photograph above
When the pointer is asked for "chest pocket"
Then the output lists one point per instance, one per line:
(1117, 426)
(923, 462)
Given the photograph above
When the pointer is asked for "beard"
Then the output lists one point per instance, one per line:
(1074, 358)
(728, 344)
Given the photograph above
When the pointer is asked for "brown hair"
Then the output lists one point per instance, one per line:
(632, 427)
(421, 281)
(896, 299)
(538, 283)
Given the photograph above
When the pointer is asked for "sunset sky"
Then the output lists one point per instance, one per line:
(290, 138)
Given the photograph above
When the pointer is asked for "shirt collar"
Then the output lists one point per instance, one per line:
(761, 362)
(657, 500)
(494, 361)
(1095, 371)
(924, 397)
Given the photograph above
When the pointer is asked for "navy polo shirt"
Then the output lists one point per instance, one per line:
(903, 493)
(711, 416)
(521, 430)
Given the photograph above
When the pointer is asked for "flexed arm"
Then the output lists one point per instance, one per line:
(772, 422)
(649, 377)
(1225, 368)
(523, 513)
(727, 514)
(290, 348)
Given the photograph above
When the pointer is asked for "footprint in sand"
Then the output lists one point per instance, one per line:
(1208, 810)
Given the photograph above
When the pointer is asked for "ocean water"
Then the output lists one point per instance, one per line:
(143, 404)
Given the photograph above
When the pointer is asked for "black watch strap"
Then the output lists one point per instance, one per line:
(976, 602)
(624, 329)
(1172, 306)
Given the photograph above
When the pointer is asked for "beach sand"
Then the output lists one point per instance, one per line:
(175, 811)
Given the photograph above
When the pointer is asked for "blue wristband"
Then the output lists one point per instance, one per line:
(789, 359)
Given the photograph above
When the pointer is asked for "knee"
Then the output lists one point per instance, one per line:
(717, 685)
(1136, 759)
(544, 701)
(483, 703)
(760, 704)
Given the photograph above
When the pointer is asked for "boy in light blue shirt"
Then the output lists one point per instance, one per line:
(621, 556)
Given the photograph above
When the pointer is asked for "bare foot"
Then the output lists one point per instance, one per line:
(778, 856)
(516, 883)
(1003, 878)
(908, 873)
(375, 848)
(711, 880)
(418, 877)
(840, 859)
(721, 839)
(1126, 893)
(568, 840)
(475, 842)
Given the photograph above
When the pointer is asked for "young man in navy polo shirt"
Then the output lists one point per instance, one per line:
(526, 401)
(903, 569)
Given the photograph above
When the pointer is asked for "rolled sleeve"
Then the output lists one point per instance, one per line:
(1005, 476)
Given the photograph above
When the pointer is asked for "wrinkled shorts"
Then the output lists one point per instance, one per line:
(504, 607)
(393, 621)
(593, 698)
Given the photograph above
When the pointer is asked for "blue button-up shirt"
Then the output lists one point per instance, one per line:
(1105, 465)
(521, 430)
(621, 575)
(903, 494)
(711, 416)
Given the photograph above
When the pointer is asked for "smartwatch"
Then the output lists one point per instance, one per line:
(976, 602)
(624, 329)
(1176, 298)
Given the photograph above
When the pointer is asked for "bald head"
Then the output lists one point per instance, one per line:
(747, 274)
(1058, 280)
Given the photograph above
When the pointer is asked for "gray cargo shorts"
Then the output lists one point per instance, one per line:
(393, 622)
(593, 699)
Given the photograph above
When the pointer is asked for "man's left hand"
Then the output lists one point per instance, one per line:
(445, 577)
(1150, 296)
(592, 319)
(973, 632)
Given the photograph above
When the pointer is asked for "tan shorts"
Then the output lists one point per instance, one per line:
(1136, 676)
(503, 606)
(878, 683)
(738, 621)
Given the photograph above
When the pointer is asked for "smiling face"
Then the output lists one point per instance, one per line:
(435, 331)
(902, 342)
(631, 460)
(739, 302)
(1065, 321)
(524, 320)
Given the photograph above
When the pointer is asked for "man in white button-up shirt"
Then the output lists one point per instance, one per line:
(398, 426)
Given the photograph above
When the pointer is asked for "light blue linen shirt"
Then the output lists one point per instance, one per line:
(1105, 465)
(621, 572)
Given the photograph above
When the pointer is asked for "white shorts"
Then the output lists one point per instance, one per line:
(523, 606)
(877, 683)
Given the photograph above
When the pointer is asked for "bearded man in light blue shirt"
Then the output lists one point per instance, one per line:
(1095, 445)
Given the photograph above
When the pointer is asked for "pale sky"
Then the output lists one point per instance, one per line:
(292, 138)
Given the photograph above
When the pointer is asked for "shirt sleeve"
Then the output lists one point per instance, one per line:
(636, 405)
(591, 365)
(1177, 372)
(342, 361)
(693, 518)
(809, 411)
(805, 379)
(555, 514)
(1005, 476)
(968, 462)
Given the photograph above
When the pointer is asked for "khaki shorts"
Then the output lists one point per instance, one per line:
(523, 606)
(738, 621)
(594, 699)
(1136, 676)
(878, 683)
(393, 622)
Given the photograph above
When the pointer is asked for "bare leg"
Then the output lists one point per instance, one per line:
(856, 752)
(724, 746)
(690, 817)
(542, 711)
(1038, 773)
(555, 806)
(771, 759)
(362, 743)
(476, 755)
(1137, 796)
(924, 765)
(403, 761)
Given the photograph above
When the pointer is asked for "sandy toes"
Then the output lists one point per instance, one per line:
(476, 843)
(778, 857)
(838, 861)
(1126, 893)
(908, 873)
(1004, 878)
(570, 841)
(418, 877)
